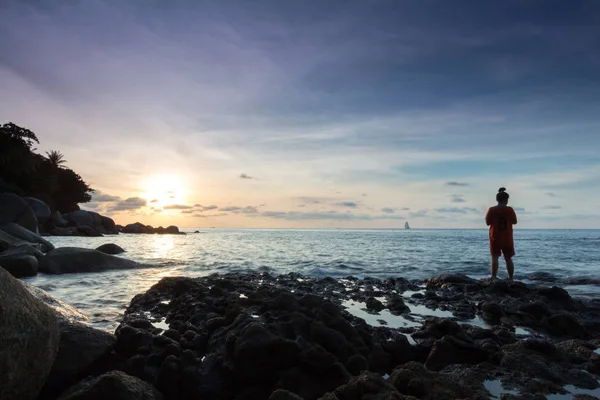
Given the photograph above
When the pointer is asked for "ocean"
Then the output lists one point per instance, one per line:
(566, 258)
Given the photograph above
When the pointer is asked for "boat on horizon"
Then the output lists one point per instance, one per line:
(406, 226)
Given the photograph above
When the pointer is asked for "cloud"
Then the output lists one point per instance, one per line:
(453, 183)
(301, 205)
(457, 210)
(520, 209)
(177, 207)
(132, 203)
(100, 197)
(329, 215)
(154, 201)
(240, 210)
(550, 194)
(423, 213)
(364, 195)
(246, 176)
(388, 210)
(210, 215)
(551, 207)
(187, 211)
(90, 205)
(457, 198)
(313, 200)
(349, 204)
(201, 208)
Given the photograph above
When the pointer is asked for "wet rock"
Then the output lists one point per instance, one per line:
(566, 325)
(66, 260)
(374, 305)
(28, 340)
(40, 209)
(365, 386)
(113, 385)
(397, 306)
(413, 379)
(452, 279)
(110, 248)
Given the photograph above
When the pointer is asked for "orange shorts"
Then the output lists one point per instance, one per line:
(497, 249)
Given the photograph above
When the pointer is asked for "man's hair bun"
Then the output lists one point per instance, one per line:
(502, 190)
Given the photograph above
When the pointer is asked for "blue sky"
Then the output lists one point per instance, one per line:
(314, 114)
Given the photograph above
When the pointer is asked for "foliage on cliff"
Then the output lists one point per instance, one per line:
(27, 173)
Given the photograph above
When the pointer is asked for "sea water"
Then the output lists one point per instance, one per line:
(567, 258)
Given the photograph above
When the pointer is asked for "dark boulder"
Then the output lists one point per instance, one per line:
(40, 209)
(14, 209)
(66, 260)
(22, 233)
(81, 347)
(136, 227)
(19, 266)
(29, 339)
(172, 229)
(114, 385)
(110, 248)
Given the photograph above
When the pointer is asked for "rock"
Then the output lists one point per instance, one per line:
(413, 379)
(374, 305)
(20, 232)
(110, 248)
(452, 278)
(566, 325)
(172, 229)
(9, 241)
(66, 260)
(366, 386)
(80, 218)
(136, 227)
(58, 220)
(397, 306)
(28, 340)
(281, 394)
(14, 209)
(109, 225)
(63, 311)
(80, 348)
(19, 266)
(85, 230)
(60, 231)
(40, 209)
(114, 385)
(450, 350)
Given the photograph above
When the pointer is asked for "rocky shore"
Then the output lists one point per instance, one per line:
(260, 336)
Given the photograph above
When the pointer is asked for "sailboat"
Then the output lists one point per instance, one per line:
(406, 225)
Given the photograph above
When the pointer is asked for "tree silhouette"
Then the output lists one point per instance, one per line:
(56, 158)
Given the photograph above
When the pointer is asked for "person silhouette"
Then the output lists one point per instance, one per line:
(501, 219)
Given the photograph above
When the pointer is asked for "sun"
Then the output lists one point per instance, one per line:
(164, 190)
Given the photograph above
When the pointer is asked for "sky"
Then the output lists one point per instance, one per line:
(314, 114)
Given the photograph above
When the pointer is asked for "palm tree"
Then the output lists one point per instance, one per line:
(56, 158)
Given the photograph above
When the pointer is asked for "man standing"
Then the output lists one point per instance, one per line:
(501, 219)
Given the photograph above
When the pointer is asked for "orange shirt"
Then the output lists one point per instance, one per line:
(501, 219)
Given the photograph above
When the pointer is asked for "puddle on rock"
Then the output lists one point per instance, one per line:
(160, 324)
(496, 389)
(424, 311)
(165, 302)
(356, 308)
(243, 296)
(597, 351)
(409, 293)
(573, 390)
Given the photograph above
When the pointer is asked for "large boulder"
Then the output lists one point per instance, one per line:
(14, 209)
(66, 260)
(40, 209)
(110, 248)
(58, 219)
(80, 218)
(108, 224)
(114, 385)
(81, 347)
(9, 241)
(20, 232)
(136, 227)
(29, 339)
(21, 261)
